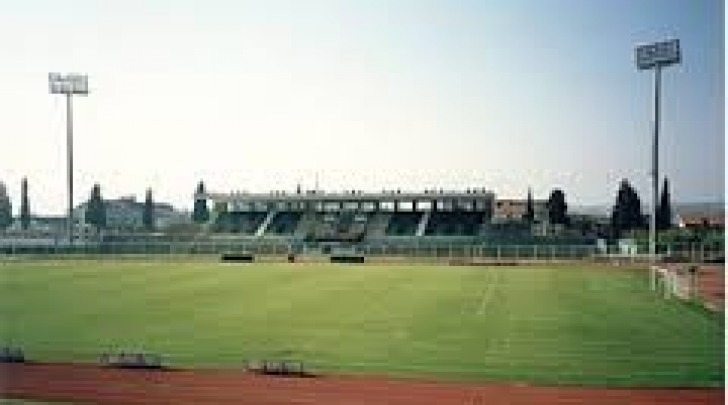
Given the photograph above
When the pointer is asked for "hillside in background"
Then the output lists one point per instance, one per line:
(684, 208)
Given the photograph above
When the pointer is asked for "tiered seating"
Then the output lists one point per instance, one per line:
(353, 226)
(324, 227)
(454, 223)
(284, 223)
(344, 226)
(240, 222)
(377, 225)
(403, 223)
(358, 225)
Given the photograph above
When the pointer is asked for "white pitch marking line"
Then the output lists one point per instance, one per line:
(487, 292)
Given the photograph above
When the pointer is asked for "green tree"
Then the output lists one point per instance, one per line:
(148, 212)
(557, 207)
(200, 212)
(529, 215)
(96, 209)
(627, 210)
(664, 210)
(6, 208)
(24, 205)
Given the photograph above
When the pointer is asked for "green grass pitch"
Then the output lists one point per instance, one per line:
(542, 324)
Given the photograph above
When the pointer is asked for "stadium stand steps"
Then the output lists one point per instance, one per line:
(264, 225)
(422, 226)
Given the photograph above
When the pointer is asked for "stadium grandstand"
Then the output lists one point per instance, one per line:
(352, 216)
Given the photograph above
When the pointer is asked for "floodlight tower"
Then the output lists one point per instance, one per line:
(69, 85)
(654, 57)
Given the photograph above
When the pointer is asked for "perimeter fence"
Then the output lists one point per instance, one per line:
(407, 249)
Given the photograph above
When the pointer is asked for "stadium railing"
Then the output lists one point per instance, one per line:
(406, 248)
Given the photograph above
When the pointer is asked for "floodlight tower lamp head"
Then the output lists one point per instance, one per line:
(658, 55)
(69, 84)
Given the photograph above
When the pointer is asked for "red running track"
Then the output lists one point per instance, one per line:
(94, 384)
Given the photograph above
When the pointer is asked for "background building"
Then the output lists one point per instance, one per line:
(126, 214)
(514, 209)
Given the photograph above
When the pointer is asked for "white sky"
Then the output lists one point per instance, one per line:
(262, 95)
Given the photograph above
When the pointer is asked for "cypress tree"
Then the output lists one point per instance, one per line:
(529, 215)
(148, 212)
(6, 208)
(200, 212)
(96, 209)
(627, 210)
(557, 207)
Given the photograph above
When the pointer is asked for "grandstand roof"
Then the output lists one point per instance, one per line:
(351, 195)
